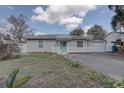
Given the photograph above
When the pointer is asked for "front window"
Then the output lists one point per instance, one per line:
(80, 43)
(40, 44)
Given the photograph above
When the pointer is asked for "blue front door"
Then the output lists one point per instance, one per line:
(63, 46)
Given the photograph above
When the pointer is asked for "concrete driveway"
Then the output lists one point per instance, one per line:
(107, 64)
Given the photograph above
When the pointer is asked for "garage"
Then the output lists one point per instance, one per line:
(98, 46)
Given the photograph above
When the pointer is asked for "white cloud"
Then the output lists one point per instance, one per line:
(70, 16)
(86, 28)
(71, 23)
(39, 33)
(10, 7)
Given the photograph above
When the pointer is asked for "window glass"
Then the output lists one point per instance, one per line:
(80, 43)
(40, 44)
(64, 43)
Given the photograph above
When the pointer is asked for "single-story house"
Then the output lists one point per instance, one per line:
(63, 44)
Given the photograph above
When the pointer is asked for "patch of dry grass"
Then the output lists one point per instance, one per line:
(51, 70)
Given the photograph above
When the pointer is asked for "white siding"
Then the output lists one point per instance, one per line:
(32, 46)
(53, 46)
(112, 37)
(88, 46)
(24, 48)
(98, 46)
(72, 46)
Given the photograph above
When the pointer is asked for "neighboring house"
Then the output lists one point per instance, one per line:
(111, 39)
(63, 44)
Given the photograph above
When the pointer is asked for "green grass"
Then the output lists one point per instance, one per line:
(51, 70)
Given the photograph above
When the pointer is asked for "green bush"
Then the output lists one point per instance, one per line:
(77, 65)
(119, 84)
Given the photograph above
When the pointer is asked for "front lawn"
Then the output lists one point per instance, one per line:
(51, 70)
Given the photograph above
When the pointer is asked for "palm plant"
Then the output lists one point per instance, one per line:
(11, 81)
(119, 84)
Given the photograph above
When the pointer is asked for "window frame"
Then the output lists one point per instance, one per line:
(40, 43)
(81, 43)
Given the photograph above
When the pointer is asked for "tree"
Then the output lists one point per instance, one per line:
(19, 27)
(3, 47)
(11, 35)
(97, 31)
(77, 32)
(118, 19)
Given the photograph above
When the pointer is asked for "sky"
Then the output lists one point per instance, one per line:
(47, 19)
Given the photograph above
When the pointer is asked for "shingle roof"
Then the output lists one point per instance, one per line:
(59, 37)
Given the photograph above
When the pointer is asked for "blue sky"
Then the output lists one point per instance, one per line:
(56, 23)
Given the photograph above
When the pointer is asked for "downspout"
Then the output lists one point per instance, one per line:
(105, 45)
(87, 46)
(120, 32)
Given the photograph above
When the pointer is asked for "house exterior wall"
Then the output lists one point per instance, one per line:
(54, 46)
(23, 48)
(98, 47)
(72, 47)
(88, 46)
(32, 46)
(112, 37)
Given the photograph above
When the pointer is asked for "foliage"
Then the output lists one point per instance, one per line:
(9, 51)
(12, 35)
(20, 81)
(77, 65)
(19, 27)
(119, 84)
(97, 31)
(11, 81)
(77, 32)
(118, 19)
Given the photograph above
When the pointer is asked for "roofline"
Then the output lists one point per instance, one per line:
(55, 39)
(108, 34)
(113, 32)
(40, 39)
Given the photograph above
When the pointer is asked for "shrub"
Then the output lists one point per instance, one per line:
(9, 51)
(77, 65)
(119, 84)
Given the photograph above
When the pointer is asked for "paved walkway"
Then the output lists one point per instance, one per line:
(107, 64)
